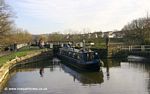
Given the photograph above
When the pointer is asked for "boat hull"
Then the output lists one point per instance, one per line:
(77, 63)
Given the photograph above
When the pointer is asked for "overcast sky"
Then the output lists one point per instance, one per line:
(46, 16)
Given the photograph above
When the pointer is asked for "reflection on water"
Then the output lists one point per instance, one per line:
(84, 77)
(110, 63)
(116, 77)
(107, 71)
(41, 71)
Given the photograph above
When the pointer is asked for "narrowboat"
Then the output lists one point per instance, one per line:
(79, 58)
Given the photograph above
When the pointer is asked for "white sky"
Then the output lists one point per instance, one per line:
(46, 16)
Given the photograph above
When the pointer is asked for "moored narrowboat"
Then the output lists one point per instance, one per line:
(79, 58)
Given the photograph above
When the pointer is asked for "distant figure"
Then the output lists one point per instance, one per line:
(41, 71)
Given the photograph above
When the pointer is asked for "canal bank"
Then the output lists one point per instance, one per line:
(5, 69)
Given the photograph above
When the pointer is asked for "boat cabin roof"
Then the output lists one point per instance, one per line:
(76, 50)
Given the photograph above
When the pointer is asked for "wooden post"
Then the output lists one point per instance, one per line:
(107, 44)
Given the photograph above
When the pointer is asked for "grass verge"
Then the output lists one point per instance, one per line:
(21, 52)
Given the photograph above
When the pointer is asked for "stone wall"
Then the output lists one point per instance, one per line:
(4, 70)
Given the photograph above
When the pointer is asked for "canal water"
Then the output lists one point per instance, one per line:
(53, 77)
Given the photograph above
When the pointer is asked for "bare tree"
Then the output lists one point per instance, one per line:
(5, 19)
(6, 22)
(138, 31)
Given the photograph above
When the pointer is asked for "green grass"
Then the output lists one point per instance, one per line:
(22, 52)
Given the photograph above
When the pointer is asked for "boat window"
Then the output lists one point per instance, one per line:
(73, 55)
(84, 56)
(90, 56)
(78, 56)
(69, 54)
